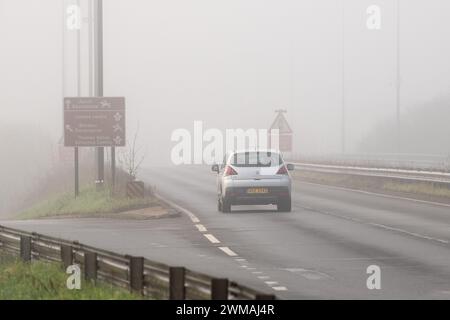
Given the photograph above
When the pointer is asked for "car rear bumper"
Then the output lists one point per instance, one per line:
(240, 196)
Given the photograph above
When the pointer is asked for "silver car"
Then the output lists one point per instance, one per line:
(254, 178)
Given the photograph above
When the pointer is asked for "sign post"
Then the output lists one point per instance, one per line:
(98, 43)
(94, 122)
(77, 175)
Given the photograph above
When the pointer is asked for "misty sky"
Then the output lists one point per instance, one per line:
(231, 63)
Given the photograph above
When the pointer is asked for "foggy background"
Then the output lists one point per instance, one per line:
(231, 64)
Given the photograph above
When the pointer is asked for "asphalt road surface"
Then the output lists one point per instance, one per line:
(322, 249)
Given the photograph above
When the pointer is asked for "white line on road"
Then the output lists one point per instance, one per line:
(201, 228)
(192, 216)
(414, 234)
(228, 251)
(279, 288)
(373, 224)
(211, 238)
(379, 194)
(214, 240)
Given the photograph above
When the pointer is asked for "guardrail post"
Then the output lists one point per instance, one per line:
(265, 297)
(177, 289)
(137, 274)
(66, 256)
(25, 248)
(90, 266)
(219, 289)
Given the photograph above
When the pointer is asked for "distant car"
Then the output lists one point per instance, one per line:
(254, 178)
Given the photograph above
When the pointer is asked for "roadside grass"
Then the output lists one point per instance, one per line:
(91, 202)
(47, 281)
(418, 188)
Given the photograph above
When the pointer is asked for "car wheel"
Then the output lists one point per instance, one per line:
(284, 205)
(226, 205)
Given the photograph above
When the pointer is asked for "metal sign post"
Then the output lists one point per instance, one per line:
(98, 48)
(77, 176)
(95, 122)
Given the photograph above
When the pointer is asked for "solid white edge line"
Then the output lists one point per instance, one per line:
(192, 216)
(382, 226)
(414, 234)
(228, 251)
(378, 194)
(211, 238)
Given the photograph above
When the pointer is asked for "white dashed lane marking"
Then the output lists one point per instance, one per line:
(201, 228)
(211, 238)
(279, 288)
(228, 251)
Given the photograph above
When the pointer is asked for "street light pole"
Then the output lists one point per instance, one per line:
(98, 44)
(398, 83)
(343, 115)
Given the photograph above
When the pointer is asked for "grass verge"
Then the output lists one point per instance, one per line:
(91, 202)
(47, 281)
(418, 188)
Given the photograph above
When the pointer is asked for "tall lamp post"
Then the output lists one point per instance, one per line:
(398, 82)
(343, 102)
(98, 92)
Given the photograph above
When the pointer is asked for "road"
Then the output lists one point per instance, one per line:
(322, 249)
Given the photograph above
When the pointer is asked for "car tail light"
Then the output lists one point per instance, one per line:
(282, 170)
(229, 171)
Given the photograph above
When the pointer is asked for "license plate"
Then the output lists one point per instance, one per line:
(257, 190)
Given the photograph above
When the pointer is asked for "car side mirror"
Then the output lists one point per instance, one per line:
(215, 168)
(290, 167)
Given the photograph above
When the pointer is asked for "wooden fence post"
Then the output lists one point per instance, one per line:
(66, 256)
(137, 275)
(90, 266)
(177, 289)
(219, 289)
(25, 248)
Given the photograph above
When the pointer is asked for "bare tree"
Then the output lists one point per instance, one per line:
(132, 156)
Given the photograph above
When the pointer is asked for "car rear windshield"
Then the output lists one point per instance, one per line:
(256, 159)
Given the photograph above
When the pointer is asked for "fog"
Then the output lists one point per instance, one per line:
(231, 63)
